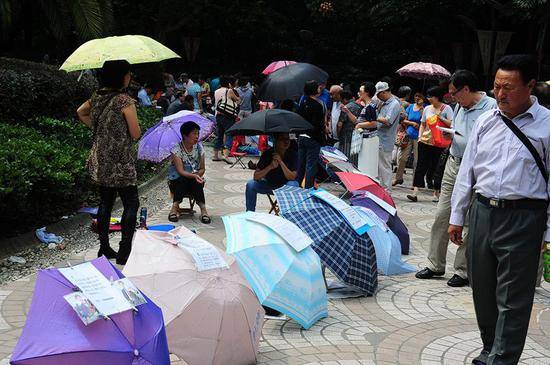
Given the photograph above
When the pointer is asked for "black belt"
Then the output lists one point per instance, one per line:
(512, 204)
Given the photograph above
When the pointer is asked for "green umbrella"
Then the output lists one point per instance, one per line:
(132, 48)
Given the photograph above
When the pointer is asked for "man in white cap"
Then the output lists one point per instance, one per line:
(386, 123)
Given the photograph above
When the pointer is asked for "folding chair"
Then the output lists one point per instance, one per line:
(237, 155)
(181, 211)
(274, 205)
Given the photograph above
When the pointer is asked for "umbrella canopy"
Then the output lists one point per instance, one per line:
(270, 121)
(393, 221)
(157, 143)
(274, 66)
(55, 335)
(350, 257)
(282, 278)
(355, 181)
(342, 166)
(423, 70)
(288, 82)
(132, 48)
(212, 316)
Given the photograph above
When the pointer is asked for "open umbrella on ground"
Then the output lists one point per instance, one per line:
(132, 48)
(270, 121)
(349, 256)
(283, 277)
(157, 143)
(212, 316)
(423, 70)
(274, 66)
(342, 166)
(393, 221)
(356, 181)
(55, 335)
(288, 82)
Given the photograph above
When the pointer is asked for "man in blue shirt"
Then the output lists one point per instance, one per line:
(195, 91)
(143, 95)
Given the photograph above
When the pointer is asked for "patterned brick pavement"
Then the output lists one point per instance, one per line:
(409, 321)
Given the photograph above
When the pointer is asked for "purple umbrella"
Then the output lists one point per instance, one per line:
(393, 221)
(158, 141)
(55, 335)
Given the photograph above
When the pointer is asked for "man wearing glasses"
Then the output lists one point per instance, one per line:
(471, 103)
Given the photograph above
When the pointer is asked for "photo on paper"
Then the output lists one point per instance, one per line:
(83, 307)
(130, 292)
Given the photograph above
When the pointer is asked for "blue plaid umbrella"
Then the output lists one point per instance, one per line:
(349, 256)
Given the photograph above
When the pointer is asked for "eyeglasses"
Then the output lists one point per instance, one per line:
(453, 94)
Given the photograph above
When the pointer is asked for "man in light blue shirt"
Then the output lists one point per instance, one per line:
(143, 95)
(471, 103)
(509, 213)
(195, 91)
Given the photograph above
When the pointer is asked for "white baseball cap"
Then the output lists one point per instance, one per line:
(381, 86)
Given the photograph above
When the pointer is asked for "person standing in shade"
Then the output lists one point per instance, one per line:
(471, 103)
(387, 123)
(346, 125)
(335, 93)
(505, 169)
(246, 94)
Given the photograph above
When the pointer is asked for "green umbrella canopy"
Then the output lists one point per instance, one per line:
(132, 48)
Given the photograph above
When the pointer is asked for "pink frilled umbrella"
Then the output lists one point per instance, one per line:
(274, 66)
(424, 70)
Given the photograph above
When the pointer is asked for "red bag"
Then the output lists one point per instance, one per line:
(262, 143)
(437, 135)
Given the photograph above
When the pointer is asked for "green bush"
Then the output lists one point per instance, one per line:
(29, 90)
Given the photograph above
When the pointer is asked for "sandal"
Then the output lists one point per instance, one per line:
(173, 217)
(216, 159)
(205, 219)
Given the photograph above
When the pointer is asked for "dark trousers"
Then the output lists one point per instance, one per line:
(223, 123)
(428, 159)
(503, 254)
(184, 186)
(308, 158)
(130, 202)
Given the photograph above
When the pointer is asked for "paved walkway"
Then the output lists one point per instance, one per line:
(409, 321)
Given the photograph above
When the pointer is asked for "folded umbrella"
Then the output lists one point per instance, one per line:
(55, 335)
(132, 48)
(351, 257)
(395, 224)
(288, 82)
(355, 181)
(282, 277)
(212, 316)
(270, 121)
(157, 143)
(274, 66)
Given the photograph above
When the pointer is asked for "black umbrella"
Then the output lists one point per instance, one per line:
(288, 82)
(270, 121)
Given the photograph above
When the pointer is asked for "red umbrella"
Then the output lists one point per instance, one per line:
(354, 182)
(423, 70)
(274, 66)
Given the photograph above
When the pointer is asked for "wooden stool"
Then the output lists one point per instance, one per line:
(274, 205)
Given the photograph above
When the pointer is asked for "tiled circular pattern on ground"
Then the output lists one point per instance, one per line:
(343, 362)
(417, 209)
(422, 302)
(462, 348)
(237, 187)
(425, 224)
(239, 201)
(243, 175)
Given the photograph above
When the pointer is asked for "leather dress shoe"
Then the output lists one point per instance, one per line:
(457, 281)
(428, 274)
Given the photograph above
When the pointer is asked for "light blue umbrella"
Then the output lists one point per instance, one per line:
(283, 278)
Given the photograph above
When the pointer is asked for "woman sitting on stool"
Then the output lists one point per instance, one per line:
(185, 175)
(277, 167)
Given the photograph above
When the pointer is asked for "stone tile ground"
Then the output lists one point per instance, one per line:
(409, 321)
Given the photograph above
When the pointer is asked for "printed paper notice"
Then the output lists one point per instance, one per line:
(205, 255)
(287, 230)
(85, 310)
(130, 292)
(95, 286)
(373, 218)
(448, 130)
(354, 219)
(381, 203)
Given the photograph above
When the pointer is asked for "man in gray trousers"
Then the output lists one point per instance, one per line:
(505, 167)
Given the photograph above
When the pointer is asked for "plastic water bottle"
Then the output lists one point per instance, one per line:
(546, 257)
(143, 218)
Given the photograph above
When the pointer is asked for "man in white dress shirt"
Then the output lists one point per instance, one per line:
(509, 213)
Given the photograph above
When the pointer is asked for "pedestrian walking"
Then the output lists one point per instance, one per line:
(471, 103)
(505, 170)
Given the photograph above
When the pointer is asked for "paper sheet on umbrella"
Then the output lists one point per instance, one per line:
(205, 255)
(381, 203)
(287, 230)
(97, 288)
(336, 155)
(83, 307)
(372, 218)
(354, 219)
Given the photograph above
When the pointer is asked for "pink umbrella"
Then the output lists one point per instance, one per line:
(423, 70)
(274, 66)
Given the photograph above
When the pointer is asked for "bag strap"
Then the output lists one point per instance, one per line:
(523, 138)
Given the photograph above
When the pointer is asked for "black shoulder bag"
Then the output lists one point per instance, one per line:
(523, 138)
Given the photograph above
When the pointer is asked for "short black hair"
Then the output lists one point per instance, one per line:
(189, 98)
(525, 64)
(287, 104)
(188, 127)
(112, 74)
(311, 88)
(346, 95)
(436, 91)
(369, 88)
(224, 81)
(463, 78)
(404, 92)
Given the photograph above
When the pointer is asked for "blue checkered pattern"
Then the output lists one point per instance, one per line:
(351, 257)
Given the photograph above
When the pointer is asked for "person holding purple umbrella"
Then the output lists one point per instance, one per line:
(186, 174)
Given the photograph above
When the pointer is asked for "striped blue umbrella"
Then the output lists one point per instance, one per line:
(283, 278)
(351, 257)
